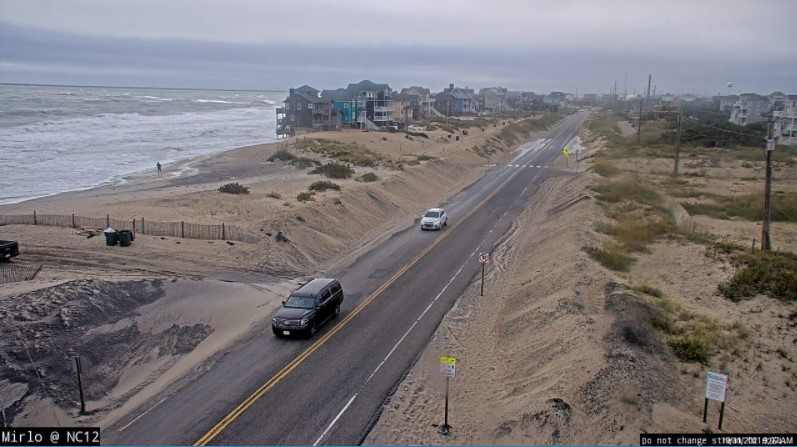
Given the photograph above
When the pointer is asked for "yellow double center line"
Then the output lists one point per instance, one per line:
(227, 420)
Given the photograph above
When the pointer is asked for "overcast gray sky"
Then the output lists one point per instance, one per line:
(689, 46)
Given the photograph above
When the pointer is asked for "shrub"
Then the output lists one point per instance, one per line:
(611, 259)
(628, 189)
(774, 274)
(345, 152)
(648, 290)
(304, 163)
(368, 177)
(606, 228)
(606, 168)
(424, 157)
(706, 209)
(323, 185)
(664, 321)
(234, 188)
(395, 166)
(634, 233)
(273, 195)
(334, 169)
(749, 207)
(305, 196)
(695, 337)
(282, 155)
(690, 348)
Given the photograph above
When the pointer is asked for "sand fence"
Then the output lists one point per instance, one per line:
(181, 229)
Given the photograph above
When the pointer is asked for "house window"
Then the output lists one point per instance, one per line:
(299, 106)
(287, 106)
(292, 117)
(310, 106)
(346, 105)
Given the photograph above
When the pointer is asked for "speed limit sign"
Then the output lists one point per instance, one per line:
(484, 258)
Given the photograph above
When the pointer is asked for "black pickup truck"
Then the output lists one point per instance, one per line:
(8, 249)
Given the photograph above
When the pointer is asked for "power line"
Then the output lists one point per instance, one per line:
(727, 130)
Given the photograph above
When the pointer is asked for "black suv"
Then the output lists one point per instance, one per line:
(308, 307)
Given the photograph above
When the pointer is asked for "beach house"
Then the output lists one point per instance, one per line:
(786, 118)
(421, 102)
(493, 100)
(456, 101)
(750, 108)
(304, 111)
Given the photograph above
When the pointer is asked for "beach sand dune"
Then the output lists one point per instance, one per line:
(146, 317)
(559, 350)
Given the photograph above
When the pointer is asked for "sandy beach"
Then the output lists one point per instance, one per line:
(152, 288)
(546, 359)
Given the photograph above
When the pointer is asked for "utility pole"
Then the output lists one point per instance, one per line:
(765, 244)
(639, 124)
(678, 142)
(625, 86)
(639, 127)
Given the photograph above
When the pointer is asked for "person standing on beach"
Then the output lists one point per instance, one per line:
(160, 170)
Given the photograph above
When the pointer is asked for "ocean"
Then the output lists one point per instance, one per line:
(57, 139)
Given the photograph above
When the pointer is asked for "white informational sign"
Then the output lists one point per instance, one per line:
(448, 366)
(484, 258)
(716, 386)
(770, 145)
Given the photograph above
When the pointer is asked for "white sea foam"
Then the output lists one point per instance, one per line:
(213, 101)
(155, 98)
(102, 144)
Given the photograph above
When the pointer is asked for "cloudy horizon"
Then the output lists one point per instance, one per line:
(571, 46)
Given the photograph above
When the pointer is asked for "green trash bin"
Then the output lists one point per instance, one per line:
(111, 237)
(125, 237)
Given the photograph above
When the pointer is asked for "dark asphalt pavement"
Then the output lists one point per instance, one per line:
(331, 389)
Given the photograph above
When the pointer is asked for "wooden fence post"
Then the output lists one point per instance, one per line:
(134, 225)
(34, 217)
(182, 229)
(142, 226)
(107, 220)
(223, 232)
(73, 220)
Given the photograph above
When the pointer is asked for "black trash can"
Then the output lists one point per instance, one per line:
(111, 237)
(125, 237)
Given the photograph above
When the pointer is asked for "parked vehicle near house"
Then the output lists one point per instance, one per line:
(308, 308)
(8, 249)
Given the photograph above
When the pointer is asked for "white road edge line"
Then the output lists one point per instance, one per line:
(142, 415)
(378, 367)
(331, 424)
(335, 420)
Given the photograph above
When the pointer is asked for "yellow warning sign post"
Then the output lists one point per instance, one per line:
(566, 153)
(448, 367)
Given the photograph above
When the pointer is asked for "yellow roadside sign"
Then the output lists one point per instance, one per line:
(448, 366)
(566, 151)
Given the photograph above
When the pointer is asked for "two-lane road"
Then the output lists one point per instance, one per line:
(330, 389)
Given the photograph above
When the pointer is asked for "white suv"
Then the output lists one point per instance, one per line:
(434, 219)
